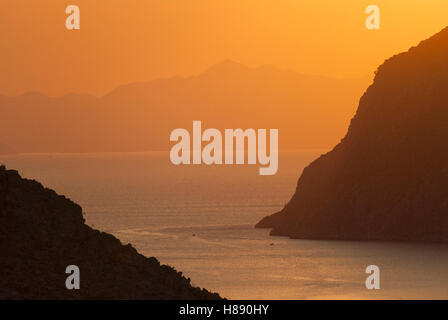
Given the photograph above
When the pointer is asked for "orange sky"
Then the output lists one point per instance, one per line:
(123, 41)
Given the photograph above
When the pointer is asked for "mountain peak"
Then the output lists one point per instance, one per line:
(226, 67)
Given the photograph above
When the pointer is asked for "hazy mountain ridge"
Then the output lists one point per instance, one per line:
(388, 178)
(140, 116)
(41, 233)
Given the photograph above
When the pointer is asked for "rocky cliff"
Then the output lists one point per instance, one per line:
(388, 177)
(41, 233)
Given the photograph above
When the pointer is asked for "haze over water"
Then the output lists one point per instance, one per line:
(200, 220)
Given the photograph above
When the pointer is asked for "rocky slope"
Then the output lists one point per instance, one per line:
(388, 177)
(41, 233)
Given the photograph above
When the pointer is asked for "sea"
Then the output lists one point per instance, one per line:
(200, 220)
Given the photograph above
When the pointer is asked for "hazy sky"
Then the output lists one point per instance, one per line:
(123, 41)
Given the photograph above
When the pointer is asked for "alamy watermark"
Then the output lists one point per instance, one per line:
(73, 21)
(189, 150)
(74, 279)
(373, 20)
(373, 280)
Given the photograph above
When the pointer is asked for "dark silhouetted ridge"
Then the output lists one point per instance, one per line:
(388, 178)
(41, 233)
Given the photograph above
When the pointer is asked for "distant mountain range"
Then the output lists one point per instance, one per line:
(309, 111)
(388, 178)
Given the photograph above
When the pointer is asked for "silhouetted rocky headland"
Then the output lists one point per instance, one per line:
(41, 233)
(388, 177)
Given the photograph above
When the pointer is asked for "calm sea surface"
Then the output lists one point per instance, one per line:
(200, 220)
